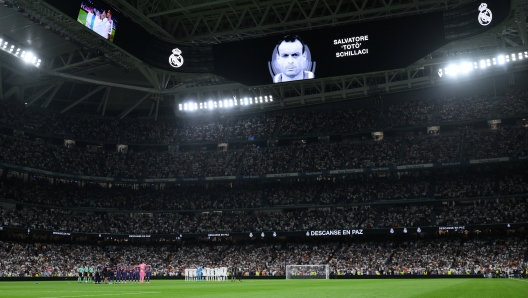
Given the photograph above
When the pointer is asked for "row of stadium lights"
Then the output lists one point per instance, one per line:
(466, 67)
(28, 57)
(226, 103)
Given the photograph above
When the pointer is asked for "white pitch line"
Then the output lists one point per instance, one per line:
(108, 294)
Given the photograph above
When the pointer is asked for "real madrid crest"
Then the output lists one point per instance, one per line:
(176, 59)
(485, 15)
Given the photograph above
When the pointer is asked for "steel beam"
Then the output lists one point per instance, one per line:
(10, 92)
(82, 99)
(259, 18)
(104, 98)
(1, 85)
(36, 96)
(52, 95)
(187, 8)
(135, 14)
(127, 111)
(157, 108)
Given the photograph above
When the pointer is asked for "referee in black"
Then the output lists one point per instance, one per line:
(234, 273)
(239, 273)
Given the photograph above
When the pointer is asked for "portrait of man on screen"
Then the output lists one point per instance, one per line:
(291, 60)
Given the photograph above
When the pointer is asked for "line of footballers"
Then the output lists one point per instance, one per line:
(114, 275)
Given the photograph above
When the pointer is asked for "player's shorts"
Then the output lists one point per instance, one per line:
(85, 274)
(90, 274)
(80, 274)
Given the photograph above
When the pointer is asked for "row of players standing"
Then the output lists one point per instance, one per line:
(235, 273)
(117, 274)
(99, 21)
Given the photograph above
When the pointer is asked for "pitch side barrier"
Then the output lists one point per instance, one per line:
(266, 176)
(282, 277)
(335, 233)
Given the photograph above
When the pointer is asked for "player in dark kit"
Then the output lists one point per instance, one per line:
(130, 273)
(147, 274)
(233, 273)
(118, 273)
(136, 275)
(111, 274)
(239, 273)
(97, 277)
(124, 274)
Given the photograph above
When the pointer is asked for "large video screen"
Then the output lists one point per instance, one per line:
(341, 50)
(99, 18)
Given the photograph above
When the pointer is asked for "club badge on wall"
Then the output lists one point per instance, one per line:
(485, 15)
(176, 59)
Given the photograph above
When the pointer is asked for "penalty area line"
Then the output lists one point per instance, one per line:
(107, 294)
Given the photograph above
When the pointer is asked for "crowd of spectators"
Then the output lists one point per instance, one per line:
(458, 255)
(257, 127)
(502, 142)
(406, 216)
(351, 120)
(409, 113)
(483, 212)
(464, 109)
(504, 211)
(301, 124)
(271, 160)
(450, 184)
(514, 103)
(392, 150)
(432, 148)
(405, 113)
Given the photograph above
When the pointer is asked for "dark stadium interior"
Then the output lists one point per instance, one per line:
(410, 161)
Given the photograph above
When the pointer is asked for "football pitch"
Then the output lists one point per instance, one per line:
(443, 288)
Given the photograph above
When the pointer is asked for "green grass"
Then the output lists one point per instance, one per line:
(443, 288)
(81, 18)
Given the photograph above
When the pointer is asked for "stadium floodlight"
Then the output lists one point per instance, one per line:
(250, 100)
(246, 101)
(482, 63)
(226, 103)
(28, 57)
(265, 98)
(180, 107)
(271, 98)
(453, 70)
(507, 58)
(260, 98)
(230, 102)
(513, 57)
(215, 104)
(220, 104)
(185, 107)
(500, 59)
(466, 67)
(520, 56)
(475, 65)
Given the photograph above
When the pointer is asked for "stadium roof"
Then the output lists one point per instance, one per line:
(82, 74)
